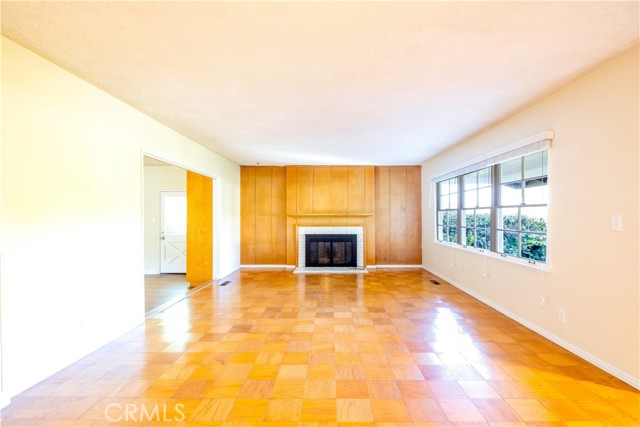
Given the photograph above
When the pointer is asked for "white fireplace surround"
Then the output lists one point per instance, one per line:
(303, 231)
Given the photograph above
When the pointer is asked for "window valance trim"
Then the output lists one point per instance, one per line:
(538, 142)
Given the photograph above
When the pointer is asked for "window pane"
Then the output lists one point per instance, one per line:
(440, 233)
(534, 246)
(453, 201)
(444, 202)
(511, 171)
(509, 243)
(483, 238)
(534, 219)
(535, 165)
(470, 236)
(471, 199)
(470, 181)
(468, 218)
(453, 219)
(175, 214)
(511, 194)
(443, 187)
(483, 218)
(453, 185)
(484, 197)
(453, 234)
(445, 217)
(508, 218)
(535, 191)
(484, 177)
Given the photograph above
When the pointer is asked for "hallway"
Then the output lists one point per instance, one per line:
(271, 348)
(161, 289)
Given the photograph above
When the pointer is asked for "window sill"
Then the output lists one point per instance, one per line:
(506, 258)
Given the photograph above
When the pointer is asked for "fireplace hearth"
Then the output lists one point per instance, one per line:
(331, 250)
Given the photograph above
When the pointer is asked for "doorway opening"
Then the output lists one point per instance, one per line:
(178, 206)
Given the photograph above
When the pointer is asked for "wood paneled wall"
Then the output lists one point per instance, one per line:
(199, 228)
(263, 226)
(330, 195)
(398, 215)
(276, 200)
(331, 190)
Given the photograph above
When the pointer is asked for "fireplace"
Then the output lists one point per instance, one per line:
(331, 250)
(349, 260)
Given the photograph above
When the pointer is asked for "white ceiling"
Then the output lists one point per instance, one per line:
(326, 82)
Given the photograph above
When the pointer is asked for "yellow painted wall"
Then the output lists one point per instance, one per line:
(72, 260)
(593, 173)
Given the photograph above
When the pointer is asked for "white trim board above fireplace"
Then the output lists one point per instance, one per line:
(303, 231)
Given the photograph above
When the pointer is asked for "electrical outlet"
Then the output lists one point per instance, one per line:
(616, 222)
(562, 315)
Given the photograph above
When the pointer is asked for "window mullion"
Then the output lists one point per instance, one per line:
(459, 211)
(495, 200)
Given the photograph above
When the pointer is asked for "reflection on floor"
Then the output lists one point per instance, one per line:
(272, 348)
(160, 289)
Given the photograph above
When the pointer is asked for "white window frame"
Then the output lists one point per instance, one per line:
(538, 142)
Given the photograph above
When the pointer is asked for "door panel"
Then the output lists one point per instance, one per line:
(173, 232)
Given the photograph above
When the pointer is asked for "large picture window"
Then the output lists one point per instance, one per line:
(500, 208)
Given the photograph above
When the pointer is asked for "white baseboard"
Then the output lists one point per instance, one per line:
(4, 400)
(250, 266)
(152, 272)
(610, 369)
(395, 266)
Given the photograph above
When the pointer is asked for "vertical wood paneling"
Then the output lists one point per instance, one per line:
(414, 215)
(279, 216)
(369, 206)
(276, 200)
(263, 211)
(382, 217)
(263, 215)
(292, 209)
(247, 215)
(369, 178)
(199, 228)
(304, 188)
(292, 189)
(339, 189)
(397, 215)
(357, 190)
(322, 189)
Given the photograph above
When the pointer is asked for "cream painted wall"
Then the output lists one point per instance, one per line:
(72, 256)
(157, 179)
(593, 173)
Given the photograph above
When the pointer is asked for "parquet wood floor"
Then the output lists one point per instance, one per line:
(272, 348)
(160, 289)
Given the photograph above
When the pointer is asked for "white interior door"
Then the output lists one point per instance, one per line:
(173, 232)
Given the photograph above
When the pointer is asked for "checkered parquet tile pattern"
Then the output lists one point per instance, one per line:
(386, 348)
